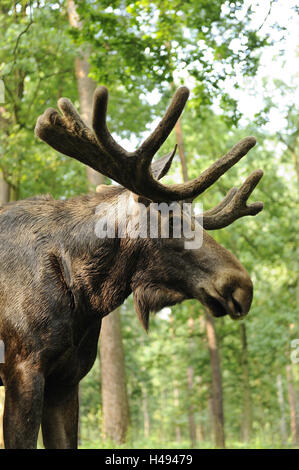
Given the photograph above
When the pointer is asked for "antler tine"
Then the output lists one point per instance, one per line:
(100, 103)
(68, 134)
(234, 205)
(222, 204)
(193, 188)
(152, 144)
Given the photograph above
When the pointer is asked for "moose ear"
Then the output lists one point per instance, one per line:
(161, 166)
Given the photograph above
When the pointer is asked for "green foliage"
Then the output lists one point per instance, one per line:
(36, 58)
(142, 45)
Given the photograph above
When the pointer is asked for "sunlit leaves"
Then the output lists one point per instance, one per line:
(142, 44)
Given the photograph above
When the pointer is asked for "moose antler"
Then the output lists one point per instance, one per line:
(68, 134)
(234, 206)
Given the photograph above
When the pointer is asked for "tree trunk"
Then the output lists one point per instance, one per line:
(146, 418)
(200, 428)
(191, 418)
(176, 399)
(4, 190)
(86, 88)
(217, 401)
(283, 429)
(114, 388)
(200, 434)
(247, 410)
(114, 398)
(211, 421)
(162, 420)
(190, 379)
(292, 404)
(176, 393)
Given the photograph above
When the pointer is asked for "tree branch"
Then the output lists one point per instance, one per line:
(18, 41)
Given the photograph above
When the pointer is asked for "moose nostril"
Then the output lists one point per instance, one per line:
(237, 292)
(237, 306)
(241, 299)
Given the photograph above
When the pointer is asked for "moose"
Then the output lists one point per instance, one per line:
(58, 279)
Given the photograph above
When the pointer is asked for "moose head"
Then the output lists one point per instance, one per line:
(165, 272)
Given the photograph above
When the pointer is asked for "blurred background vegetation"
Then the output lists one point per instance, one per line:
(192, 381)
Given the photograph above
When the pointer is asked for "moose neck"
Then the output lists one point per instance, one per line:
(101, 268)
(61, 236)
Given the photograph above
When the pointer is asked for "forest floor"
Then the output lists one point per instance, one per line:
(155, 444)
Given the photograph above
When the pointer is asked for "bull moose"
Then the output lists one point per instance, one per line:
(58, 279)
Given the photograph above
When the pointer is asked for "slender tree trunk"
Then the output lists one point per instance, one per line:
(247, 409)
(283, 429)
(114, 385)
(217, 401)
(86, 88)
(289, 374)
(4, 190)
(146, 418)
(176, 393)
(191, 418)
(162, 421)
(145, 405)
(296, 165)
(200, 434)
(176, 398)
(211, 426)
(114, 390)
(114, 397)
(200, 429)
(14, 193)
(295, 156)
(292, 405)
(190, 380)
